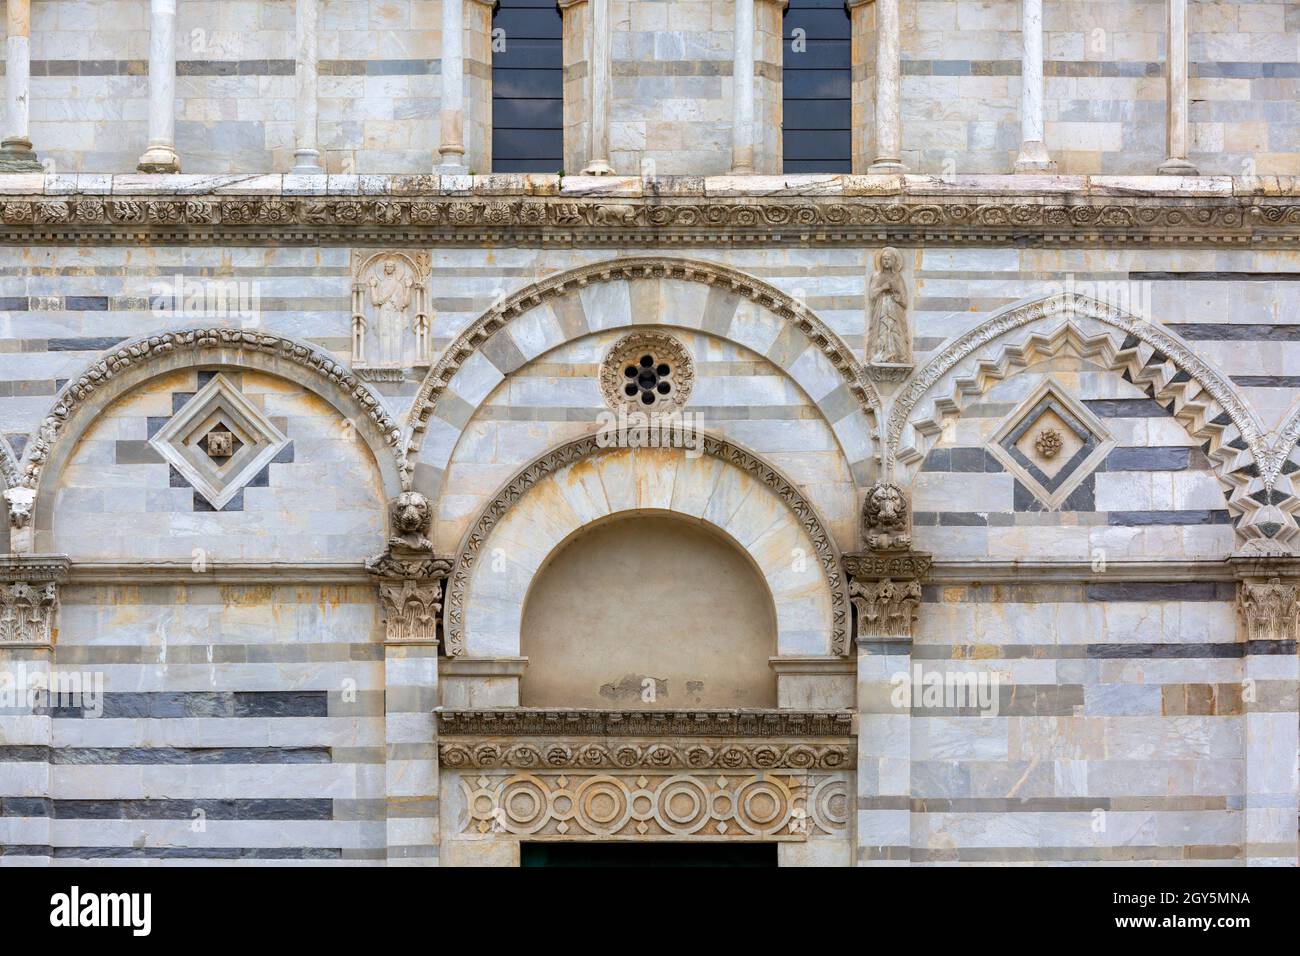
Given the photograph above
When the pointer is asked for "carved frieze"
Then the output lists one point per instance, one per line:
(937, 218)
(649, 805)
(1270, 609)
(662, 754)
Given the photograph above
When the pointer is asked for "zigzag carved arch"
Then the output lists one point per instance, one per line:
(1158, 362)
(499, 315)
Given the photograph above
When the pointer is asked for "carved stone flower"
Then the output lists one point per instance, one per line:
(1049, 442)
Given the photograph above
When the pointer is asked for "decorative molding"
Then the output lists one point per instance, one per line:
(902, 564)
(9, 473)
(115, 574)
(650, 805)
(1270, 609)
(559, 722)
(567, 454)
(1020, 571)
(769, 297)
(660, 755)
(664, 352)
(850, 209)
(221, 342)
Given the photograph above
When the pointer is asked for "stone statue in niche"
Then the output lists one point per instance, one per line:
(889, 338)
(390, 314)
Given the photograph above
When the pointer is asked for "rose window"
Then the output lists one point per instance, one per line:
(647, 371)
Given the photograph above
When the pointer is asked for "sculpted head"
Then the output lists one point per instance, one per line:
(411, 513)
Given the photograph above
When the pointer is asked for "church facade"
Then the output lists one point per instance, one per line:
(444, 433)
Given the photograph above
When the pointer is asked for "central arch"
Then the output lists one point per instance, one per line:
(583, 483)
(648, 610)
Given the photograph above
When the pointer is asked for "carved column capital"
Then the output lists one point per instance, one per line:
(29, 598)
(1270, 609)
(885, 590)
(410, 582)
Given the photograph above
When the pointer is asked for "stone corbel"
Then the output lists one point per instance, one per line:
(29, 599)
(410, 574)
(885, 579)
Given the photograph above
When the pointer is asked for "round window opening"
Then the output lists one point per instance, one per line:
(647, 371)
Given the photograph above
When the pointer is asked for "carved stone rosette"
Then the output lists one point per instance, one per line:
(29, 599)
(1270, 609)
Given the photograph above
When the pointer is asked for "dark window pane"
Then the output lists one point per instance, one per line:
(527, 87)
(816, 85)
(817, 166)
(819, 55)
(529, 114)
(817, 144)
(818, 115)
(818, 24)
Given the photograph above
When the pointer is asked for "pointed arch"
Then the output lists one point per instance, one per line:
(1149, 356)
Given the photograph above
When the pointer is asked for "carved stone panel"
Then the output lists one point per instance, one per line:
(655, 805)
(390, 314)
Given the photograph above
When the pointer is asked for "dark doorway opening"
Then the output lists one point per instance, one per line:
(647, 854)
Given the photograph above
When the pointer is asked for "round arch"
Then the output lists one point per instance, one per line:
(85, 397)
(615, 294)
(583, 482)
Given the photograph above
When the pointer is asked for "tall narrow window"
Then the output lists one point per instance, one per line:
(527, 87)
(816, 94)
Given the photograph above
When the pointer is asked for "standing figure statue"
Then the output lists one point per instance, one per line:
(391, 295)
(890, 341)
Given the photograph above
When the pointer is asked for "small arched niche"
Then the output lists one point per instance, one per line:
(648, 611)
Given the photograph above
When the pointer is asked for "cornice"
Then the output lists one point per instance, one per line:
(561, 722)
(217, 572)
(1111, 572)
(667, 211)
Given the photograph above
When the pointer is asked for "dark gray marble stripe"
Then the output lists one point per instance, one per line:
(187, 755)
(298, 703)
(1126, 408)
(1266, 381)
(196, 853)
(1216, 276)
(1232, 332)
(1129, 519)
(245, 809)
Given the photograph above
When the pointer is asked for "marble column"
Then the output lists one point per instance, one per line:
(451, 149)
(1176, 128)
(1033, 156)
(306, 154)
(161, 156)
(889, 90)
(742, 77)
(16, 153)
(598, 70)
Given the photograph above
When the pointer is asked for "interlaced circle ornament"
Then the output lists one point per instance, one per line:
(647, 372)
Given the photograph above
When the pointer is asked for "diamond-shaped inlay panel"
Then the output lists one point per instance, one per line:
(219, 441)
(1051, 443)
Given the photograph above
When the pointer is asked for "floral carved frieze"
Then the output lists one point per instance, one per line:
(601, 219)
(650, 805)
(625, 754)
